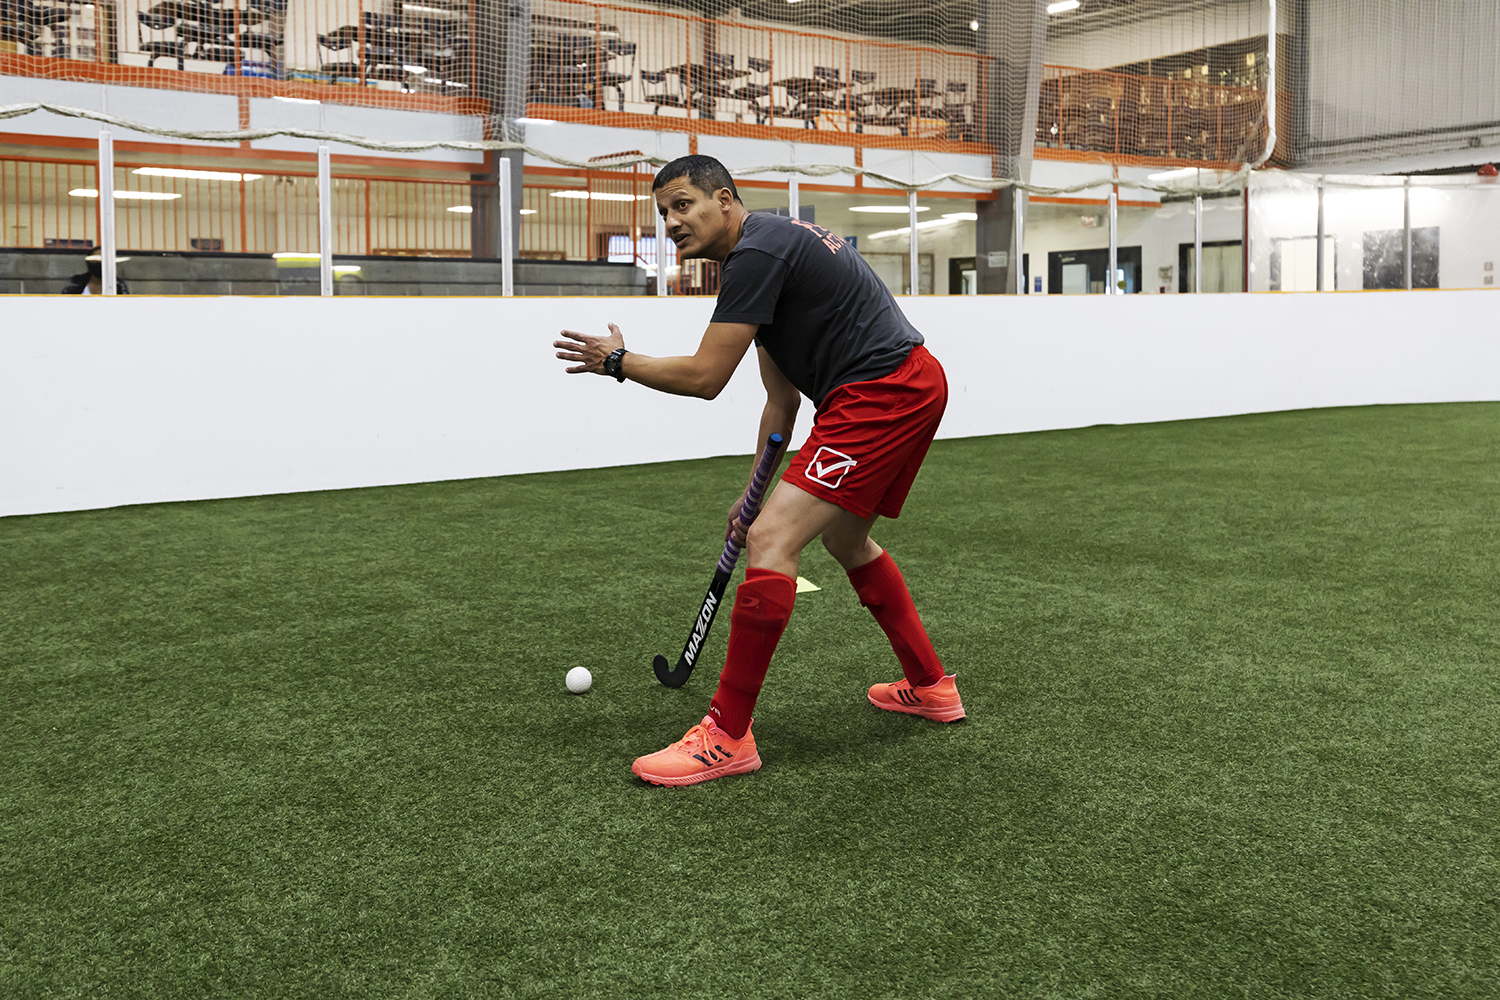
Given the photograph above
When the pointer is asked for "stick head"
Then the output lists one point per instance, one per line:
(669, 677)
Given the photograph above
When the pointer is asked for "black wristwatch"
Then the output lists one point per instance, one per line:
(615, 364)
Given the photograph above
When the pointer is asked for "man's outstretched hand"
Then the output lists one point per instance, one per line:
(588, 352)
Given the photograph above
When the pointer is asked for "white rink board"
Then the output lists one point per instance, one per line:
(109, 401)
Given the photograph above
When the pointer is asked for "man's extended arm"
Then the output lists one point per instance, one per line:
(704, 374)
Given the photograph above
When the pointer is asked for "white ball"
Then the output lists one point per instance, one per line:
(579, 680)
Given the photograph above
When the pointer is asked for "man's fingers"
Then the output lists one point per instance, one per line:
(582, 338)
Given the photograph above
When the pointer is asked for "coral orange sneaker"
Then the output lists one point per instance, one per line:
(705, 752)
(939, 702)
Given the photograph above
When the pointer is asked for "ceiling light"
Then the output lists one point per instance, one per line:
(296, 255)
(204, 175)
(886, 209)
(905, 230)
(528, 211)
(599, 196)
(1063, 5)
(973, 25)
(413, 69)
(465, 209)
(429, 10)
(127, 195)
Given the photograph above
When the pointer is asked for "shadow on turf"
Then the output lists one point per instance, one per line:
(818, 739)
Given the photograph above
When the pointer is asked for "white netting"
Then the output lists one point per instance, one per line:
(1394, 85)
(1107, 81)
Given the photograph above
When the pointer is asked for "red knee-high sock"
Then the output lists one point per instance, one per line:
(762, 607)
(881, 589)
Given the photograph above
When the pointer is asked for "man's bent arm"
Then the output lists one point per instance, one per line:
(780, 413)
(704, 374)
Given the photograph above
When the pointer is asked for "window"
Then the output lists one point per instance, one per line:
(1385, 258)
(622, 252)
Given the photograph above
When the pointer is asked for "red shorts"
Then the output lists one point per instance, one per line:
(869, 438)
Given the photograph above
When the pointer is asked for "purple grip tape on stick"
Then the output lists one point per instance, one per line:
(675, 677)
(753, 498)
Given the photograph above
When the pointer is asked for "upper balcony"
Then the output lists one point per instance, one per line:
(624, 66)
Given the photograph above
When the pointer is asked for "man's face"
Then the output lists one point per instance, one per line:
(697, 221)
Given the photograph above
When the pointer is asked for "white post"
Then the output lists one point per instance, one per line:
(1320, 234)
(1270, 85)
(794, 199)
(107, 211)
(916, 264)
(1110, 288)
(325, 224)
(1197, 244)
(661, 250)
(1406, 235)
(1019, 224)
(507, 253)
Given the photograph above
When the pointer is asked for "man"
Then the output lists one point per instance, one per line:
(91, 281)
(826, 327)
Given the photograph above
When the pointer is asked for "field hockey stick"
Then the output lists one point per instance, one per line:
(676, 677)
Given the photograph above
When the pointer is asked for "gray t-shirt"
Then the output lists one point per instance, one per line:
(825, 318)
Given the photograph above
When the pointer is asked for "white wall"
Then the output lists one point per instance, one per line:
(220, 113)
(135, 399)
(160, 108)
(388, 124)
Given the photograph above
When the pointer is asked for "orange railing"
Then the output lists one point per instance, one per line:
(238, 209)
(743, 76)
(36, 209)
(235, 209)
(1123, 115)
(566, 215)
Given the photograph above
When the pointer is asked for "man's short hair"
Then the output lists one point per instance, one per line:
(703, 172)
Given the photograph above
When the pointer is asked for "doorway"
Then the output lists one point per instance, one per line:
(1085, 272)
(961, 276)
(1223, 266)
(1294, 264)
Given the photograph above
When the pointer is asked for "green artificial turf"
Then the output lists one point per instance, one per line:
(1234, 722)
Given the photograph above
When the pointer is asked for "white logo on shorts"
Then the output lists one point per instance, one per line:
(829, 472)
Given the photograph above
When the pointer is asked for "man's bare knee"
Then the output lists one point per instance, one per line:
(836, 545)
(768, 539)
(850, 544)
